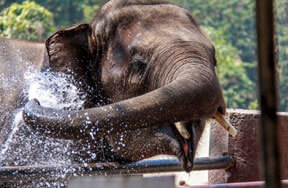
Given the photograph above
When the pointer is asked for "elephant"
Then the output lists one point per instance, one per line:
(149, 74)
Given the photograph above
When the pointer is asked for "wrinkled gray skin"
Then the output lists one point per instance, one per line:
(152, 66)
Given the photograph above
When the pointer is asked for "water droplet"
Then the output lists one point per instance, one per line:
(92, 136)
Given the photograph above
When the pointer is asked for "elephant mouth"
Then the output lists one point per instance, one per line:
(187, 143)
(188, 138)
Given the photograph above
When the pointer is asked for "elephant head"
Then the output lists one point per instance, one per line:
(147, 65)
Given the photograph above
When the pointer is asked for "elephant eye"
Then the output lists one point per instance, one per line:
(138, 63)
(137, 67)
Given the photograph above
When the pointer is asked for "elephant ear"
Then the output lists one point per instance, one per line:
(71, 50)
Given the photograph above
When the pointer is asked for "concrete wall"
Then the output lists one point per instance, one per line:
(245, 147)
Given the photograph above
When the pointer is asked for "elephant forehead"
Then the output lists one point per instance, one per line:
(130, 33)
(138, 36)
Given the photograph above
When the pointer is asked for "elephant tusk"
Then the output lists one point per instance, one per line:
(225, 124)
(180, 126)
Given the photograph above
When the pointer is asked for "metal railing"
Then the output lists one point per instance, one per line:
(142, 167)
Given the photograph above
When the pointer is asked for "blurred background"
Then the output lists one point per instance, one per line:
(229, 24)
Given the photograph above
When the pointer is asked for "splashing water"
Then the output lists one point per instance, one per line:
(54, 90)
(23, 146)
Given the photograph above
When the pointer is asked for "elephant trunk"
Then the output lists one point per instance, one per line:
(193, 94)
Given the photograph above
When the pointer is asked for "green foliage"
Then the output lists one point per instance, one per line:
(237, 87)
(65, 12)
(282, 47)
(28, 21)
(283, 67)
(89, 12)
(70, 12)
(235, 18)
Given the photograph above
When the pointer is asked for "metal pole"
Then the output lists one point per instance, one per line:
(268, 96)
(147, 166)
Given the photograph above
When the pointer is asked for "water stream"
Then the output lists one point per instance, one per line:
(23, 146)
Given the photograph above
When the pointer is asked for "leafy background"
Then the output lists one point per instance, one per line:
(229, 24)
